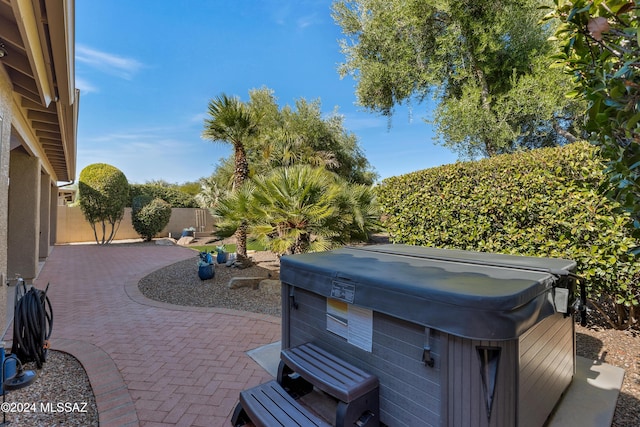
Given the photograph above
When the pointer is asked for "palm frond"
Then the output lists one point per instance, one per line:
(300, 208)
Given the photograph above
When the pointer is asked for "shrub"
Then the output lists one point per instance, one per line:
(300, 209)
(538, 203)
(172, 195)
(599, 47)
(149, 216)
(103, 193)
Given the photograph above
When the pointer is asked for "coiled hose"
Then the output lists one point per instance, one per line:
(32, 324)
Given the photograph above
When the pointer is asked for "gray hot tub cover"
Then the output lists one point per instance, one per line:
(474, 295)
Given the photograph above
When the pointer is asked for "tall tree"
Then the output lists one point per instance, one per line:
(303, 134)
(482, 61)
(231, 122)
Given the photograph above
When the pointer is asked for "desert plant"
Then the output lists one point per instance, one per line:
(300, 209)
(230, 121)
(103, 193)
(149, 216)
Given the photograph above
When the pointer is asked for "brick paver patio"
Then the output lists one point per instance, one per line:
(150, 364)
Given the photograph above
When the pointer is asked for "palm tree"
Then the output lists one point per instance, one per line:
(230, 121)
(282, 147)
(210, 193)
(301, 208)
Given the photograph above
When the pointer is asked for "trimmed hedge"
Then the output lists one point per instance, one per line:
(542, 202)
(171, 195)
(149, 216)
(103, 192)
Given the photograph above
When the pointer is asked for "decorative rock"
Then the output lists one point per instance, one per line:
(242, 262)
(167, 241)
(244, 282)
(239, 265)
(186, 240)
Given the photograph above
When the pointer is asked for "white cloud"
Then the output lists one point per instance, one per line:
(199, 118)
(307, 21)
(153, 153)
(288, 12)
(119, 66)
(354, 122)
(85, 86)
(129, 137)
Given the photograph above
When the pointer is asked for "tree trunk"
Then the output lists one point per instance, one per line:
(104, 232)
(567, 135)
(241, 240)
(301, 244)
(241, 172)
(95, 232)
(240, 176)
(621, 315)
(481, 79)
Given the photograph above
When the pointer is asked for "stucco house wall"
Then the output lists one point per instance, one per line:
(5, 130)
(38, 127)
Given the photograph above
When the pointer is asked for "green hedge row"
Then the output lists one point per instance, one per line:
(538, 203)
(171, 195)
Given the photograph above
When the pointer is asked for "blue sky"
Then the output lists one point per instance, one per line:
(147, 69)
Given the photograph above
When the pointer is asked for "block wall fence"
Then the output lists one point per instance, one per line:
(72, 226)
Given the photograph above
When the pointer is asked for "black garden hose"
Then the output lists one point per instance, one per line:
(32, 324)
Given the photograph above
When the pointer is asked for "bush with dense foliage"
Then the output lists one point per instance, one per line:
(539, 203)
(103, 193)
(300, 209)
(170, 194)
(149, 216)
(600, 48)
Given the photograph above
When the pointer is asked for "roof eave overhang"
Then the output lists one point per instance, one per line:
(42, 58)
(35, 45)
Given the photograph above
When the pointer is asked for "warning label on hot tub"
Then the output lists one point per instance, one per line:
(353, 323)
(344, 291)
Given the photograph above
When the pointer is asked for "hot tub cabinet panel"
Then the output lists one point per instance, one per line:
(468, 399)
(410, 390)
(546, 368)
(367, 306)
(533, 373)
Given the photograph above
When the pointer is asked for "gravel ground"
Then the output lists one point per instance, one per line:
(60, 396)
(64, 380)
(179, 284)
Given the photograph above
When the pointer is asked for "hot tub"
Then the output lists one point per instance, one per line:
(456, 338)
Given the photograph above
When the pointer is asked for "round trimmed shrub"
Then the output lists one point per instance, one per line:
(149, 216)
(103, 192)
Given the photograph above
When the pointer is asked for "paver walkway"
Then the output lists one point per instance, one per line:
(150, 364)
